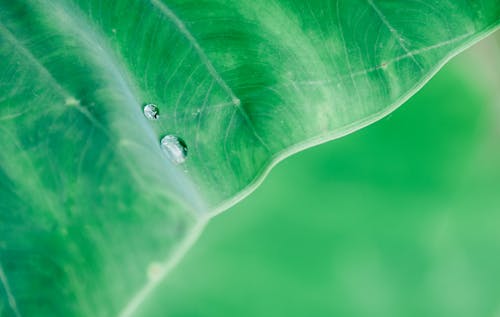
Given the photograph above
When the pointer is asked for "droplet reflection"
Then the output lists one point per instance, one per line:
(175, 148)
(151, 111)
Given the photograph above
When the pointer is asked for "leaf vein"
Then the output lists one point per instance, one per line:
(163, 8)
(394, 32)
(10, 297)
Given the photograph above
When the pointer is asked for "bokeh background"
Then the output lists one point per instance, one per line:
(399, 219)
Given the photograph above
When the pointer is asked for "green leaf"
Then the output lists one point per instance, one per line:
(92, 211)
(399, 219)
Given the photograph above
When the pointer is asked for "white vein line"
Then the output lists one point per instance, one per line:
(83, 154)
(182, 28)
(164, 269)
(198, 123)
(29, 161)
(394, 32)
(226, 137)
(250, 124)
(31, 58)
(176, 69)
(346, 53)
(13, 115)
(10, 297)
(183, 91)
(213, 108)
(45, 72)
(195, 109)
(413, 53)
(210, 67)
(388, 62)
(218, 106)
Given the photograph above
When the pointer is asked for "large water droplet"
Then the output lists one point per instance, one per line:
(151, 111)
(175, 148)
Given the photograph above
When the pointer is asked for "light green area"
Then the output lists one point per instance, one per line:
(92, 212)
(399, 219)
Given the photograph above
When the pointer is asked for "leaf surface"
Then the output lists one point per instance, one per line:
(399, 219)
(92, 212)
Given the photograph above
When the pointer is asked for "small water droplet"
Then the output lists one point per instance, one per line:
(175, 148)
(151, 111)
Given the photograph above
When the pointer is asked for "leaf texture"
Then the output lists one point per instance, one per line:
(92, 212)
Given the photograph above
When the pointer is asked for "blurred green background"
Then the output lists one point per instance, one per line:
(399, 219)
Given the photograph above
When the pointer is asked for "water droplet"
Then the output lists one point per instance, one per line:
(151, 111)
(175, 148)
